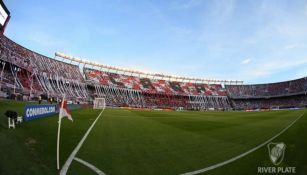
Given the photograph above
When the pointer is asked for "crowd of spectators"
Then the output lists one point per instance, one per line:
(166, 101)
(274, 103)
(153, 85)
(298, 86)
(39, 74)
(209, 102)
(117, 97)
(154, 93)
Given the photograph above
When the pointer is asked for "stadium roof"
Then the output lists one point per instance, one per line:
(146, 74)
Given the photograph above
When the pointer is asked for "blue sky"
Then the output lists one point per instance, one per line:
(254, 41)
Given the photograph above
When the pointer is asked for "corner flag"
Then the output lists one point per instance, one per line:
(64, 111)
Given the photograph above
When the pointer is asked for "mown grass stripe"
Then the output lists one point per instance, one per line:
(243, 154)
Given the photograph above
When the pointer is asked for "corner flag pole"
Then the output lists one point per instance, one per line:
(58, 140)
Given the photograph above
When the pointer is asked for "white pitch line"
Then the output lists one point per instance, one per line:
(243, 154)
(90, 166)
(75, 151)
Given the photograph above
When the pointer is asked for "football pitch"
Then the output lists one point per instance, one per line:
(133, 142)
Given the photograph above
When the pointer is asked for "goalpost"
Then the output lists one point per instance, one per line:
(99, 103)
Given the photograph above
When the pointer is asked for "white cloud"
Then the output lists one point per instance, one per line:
(291, 29)
(48, 41)
(269, 67)
(246, 61)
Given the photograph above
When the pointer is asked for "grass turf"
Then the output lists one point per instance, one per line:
(151, 142)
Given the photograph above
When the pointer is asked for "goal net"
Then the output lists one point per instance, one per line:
(99, 103)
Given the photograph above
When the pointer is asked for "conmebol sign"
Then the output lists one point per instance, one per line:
(39, 111)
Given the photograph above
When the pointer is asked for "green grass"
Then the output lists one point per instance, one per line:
(128, 142)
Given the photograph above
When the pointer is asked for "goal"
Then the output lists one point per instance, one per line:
(99, 103)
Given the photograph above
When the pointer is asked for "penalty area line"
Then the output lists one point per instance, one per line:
(75, 151)
(243, 154)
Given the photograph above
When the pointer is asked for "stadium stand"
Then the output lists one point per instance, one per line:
(29, 74)
(274, 103)
(35, 74)
(127, 90)
(152, 85)
(288, 94)
(268, 90)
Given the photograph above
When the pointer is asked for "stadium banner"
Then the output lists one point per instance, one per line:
(39, 111)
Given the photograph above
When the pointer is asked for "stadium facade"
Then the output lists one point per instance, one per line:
(26, 75)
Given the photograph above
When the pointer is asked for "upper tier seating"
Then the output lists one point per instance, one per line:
(40, 73)
(34, 62)
(268, 90)
(152, 85)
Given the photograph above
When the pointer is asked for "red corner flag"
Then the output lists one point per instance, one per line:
(64, 111)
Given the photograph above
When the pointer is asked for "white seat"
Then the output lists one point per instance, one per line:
(19, 119)
(11, 123)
